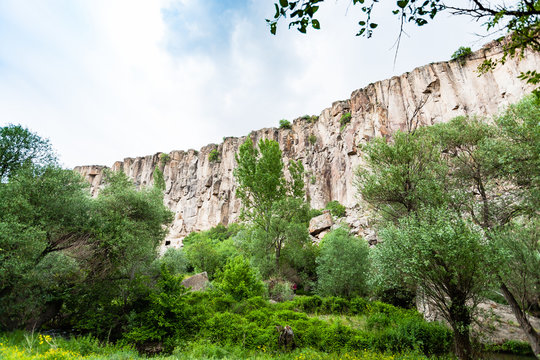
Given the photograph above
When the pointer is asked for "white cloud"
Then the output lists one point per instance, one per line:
(110, 79)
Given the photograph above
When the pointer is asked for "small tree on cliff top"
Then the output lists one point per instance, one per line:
(265, 192)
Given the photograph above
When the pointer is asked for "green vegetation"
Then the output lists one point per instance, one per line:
(164, 159)
(285, 124)
(344, 120)
(274, 205)
(213, 156)
(310, 119)
(312, 139)
(19, 146)
(443, 185)
(342, 265)
(336, 209)
(197, 324)
(461, 54)
(455, 206)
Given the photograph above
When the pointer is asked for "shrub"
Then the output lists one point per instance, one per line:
(280, 290)
(342, 265)
(461, 54)
(511, 346)
(174, 260)
(345, 119)
(313, 119)
(209, 255)
(213, 156)
(166, 319)
(239, 279)
(285, 124)
(414, 333)
(314, 212)
(312, 139)
(336, 208)
(164, 158)
(378, 321)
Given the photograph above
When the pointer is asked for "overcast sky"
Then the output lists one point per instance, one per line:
(108, 79)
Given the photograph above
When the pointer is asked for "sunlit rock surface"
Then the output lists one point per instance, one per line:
(201, 193)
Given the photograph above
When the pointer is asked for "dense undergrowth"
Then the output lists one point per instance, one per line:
(220, 327)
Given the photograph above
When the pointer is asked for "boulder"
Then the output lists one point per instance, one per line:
(197, 282)
(320, 223)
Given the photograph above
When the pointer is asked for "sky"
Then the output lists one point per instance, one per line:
(109, 79)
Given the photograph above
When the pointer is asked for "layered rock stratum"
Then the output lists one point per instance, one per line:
(201, 193)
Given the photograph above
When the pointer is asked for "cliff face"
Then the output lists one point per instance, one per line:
(201, 193)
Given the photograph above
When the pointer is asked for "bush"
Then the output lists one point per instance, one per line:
(280, 290)
(285, 124)
(312, 139)
(174, 260)
(213, 156)
(310, 119)
(336, 208)
(512, 347)
(342, 265)
(239, 279)
(345, 119)
(166, 319)
(378, 321)
(209, 255)
(461, 54)
(164, 158)
(414, 333)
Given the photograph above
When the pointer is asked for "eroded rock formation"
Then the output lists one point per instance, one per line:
(201, 193)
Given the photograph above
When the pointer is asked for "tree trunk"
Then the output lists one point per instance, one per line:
(460, 320)
(278, 253)
(521, 317)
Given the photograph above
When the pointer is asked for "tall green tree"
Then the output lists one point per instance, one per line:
(18, 146)
(127, 227)
(450, 261)
(44, 218)
(269, 201)
(486, 173)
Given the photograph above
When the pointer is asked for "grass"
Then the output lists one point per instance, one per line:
(76, 348)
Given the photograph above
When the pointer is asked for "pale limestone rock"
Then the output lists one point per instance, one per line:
(202, 193)
(197, 282)
(320, 223)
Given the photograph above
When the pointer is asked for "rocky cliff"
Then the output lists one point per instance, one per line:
(201, 193)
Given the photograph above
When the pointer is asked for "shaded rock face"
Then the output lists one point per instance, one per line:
(201, 193)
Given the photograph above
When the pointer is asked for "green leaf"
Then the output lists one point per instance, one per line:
(373, 25)
(402, 3)
(283, 3)
(315, 23)
(273, 28)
